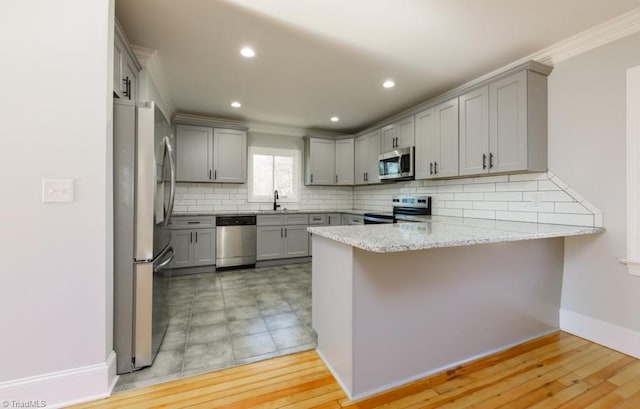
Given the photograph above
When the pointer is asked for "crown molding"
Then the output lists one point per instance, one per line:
(601, 34)
(150, 61)
(257, 127)
(119, 32)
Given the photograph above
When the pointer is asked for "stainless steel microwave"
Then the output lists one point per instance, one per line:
(397, 164)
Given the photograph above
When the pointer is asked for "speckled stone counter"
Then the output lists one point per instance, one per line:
(259, 212)
(440, 231)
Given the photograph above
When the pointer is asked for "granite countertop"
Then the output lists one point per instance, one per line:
(260, 212)
(441, 231)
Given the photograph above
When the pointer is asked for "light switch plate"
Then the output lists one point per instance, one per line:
(57, 190)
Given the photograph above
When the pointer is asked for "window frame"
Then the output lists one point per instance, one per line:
(297, 178)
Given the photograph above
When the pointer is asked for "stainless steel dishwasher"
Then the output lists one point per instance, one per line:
(235, 241)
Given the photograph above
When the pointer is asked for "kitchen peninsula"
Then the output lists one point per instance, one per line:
(396, 302)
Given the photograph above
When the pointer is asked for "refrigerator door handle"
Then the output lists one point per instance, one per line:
(172, 194)
(171, 255)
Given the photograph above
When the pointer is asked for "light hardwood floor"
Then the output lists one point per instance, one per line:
(555, 371)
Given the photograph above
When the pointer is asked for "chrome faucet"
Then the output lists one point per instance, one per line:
(275, 198)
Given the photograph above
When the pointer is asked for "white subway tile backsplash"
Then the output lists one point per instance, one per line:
(503, 196)
(448, 212)
(547, 196)
(547, 185)
(562, 218)
(449, 188)
(458, 204)
(468, 196)
(479, 214)
(517, 216)
(480, 187)
(491, 205)
(544, 207)
(523, 186)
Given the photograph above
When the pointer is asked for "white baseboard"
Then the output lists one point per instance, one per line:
(63, 388)
(610, 335)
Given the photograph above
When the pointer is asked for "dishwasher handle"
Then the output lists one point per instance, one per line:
(235, 220)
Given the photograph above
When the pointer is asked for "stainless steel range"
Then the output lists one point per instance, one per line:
(404, 207)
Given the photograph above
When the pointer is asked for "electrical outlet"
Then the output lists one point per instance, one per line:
(57, 190)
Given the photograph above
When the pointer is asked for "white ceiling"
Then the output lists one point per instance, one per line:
(319, 58)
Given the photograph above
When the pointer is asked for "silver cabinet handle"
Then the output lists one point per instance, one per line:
(435, 168)
(484, 161)
(285, 232)
(215, 174)
(281, 232)
(312, 178)
(490, 160)
(209, 174)
(196, 237)
(191, 237)
(431, 168)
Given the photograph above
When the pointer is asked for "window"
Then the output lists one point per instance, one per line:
(273, 169)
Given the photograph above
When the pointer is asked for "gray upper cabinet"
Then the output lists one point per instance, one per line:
(474, 132)
(344, 158)
(194, 153)
(205, 154)
(518, 123)
(367, 149)
(503, 126)
(319, 161)
(328, 161)
(437, 141)
(125, 67)
(399, 134)
(229, 156)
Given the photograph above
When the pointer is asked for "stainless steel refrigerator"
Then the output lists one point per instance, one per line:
(144, 191)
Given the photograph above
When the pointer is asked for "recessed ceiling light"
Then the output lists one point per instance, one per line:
(388, 84)
(334, 119)
(248, 52)
(236, 104)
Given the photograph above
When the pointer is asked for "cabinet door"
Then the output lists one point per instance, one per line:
(322, 157)
(508, 123)
(425, 144)
(296, 241)
(375, 148)
(230, 156)
(181, 242)
(389, 134)
(270, 243)
(361, 159)
(344, 157)
(204, 247)
(130, 74)
(334, 219)
(118, 57)
(405, 132)
(194, 145)
(445, 142)
(474, 132)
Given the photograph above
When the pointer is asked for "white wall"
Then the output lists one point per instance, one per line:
(587, 150)
(55, 268)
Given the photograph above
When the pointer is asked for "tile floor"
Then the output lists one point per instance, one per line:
(229, 318)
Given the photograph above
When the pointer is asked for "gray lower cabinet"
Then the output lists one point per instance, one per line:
(275, 242)
(351, 219)
(193, 247)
